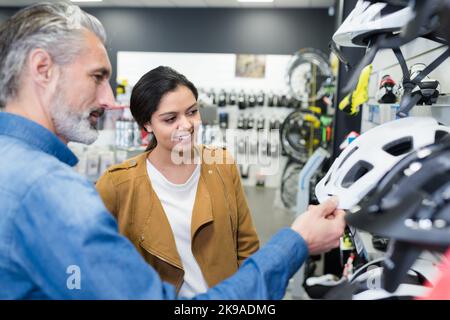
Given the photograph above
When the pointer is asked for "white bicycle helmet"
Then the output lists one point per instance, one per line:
(366, 283)
(369, 157)
(369, 19)
(414, 285)
(387, 24)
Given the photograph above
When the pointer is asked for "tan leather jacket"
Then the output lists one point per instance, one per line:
(222, 231)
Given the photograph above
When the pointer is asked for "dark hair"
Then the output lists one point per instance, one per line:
(149, 90)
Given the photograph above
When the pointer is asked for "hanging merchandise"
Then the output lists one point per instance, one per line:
(211, 135)
(427, 88)
(381, 25)
(260, 99)
(292, 103)
(274, 124)
(127, 133)
(352, 102)
(245, 170)
(307, 73)
(371, 18)
(417, 89)
(260, 123)
(250, 122)
(327, 92)
(123, 93)
(363, 163)
(251, 100)
(263, 145)
(260, 180)
(223, 120)
(137, 138)
(253, 144)
(270, 100)
(204, 98)
(387, 91)
(214, 97)
(242, 146)
(289, 184)
(222, 99)
(326, 127)
(273, 148)
(242, 101)
(276, 100)
(300, 135)
(282, 102)
(232, 98)
(348, 139)
(242, 123)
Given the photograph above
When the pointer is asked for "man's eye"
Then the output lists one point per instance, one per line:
(98, 78)
(193, 112)
(170, 120)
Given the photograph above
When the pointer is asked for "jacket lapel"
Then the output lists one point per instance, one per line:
(156, 234)
(202, 212)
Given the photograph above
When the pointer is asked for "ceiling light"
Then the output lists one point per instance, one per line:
(86, 0)
(255, 0)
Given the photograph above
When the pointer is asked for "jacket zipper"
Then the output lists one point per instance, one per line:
(161, 258)
(179, 283)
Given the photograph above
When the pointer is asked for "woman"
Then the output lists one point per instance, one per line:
(190, 221)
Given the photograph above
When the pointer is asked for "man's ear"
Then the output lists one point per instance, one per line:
(41, 66)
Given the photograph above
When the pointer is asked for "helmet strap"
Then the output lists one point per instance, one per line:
(408, 102)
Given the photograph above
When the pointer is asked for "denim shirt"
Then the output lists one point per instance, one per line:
(58, 241)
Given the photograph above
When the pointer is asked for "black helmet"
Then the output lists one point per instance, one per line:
(411, 206)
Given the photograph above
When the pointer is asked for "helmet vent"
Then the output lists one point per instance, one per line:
(399, 147)
(328, 179)
(440, 135)
(348, 156)
(356, 173)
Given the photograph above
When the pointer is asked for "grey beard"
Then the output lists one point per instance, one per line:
(71, 126)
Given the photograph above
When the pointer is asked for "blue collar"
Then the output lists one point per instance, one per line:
(35, 135)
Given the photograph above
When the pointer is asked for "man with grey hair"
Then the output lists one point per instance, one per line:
(57, 240)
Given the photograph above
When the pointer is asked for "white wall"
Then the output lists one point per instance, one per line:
(205, 70)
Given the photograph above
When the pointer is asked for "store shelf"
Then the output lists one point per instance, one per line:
(441, 110)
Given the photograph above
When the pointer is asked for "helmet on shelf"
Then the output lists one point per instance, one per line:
(363, 163)
(411, 207)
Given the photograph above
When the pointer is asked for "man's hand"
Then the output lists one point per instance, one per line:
(321, 226)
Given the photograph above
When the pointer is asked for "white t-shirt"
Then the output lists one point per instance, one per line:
(178, 202)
